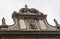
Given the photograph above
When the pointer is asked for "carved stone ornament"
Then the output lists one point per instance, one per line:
(3, 21)
(26, 9)
(56, 22)
(33, 25)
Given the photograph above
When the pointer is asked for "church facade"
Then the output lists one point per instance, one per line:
(29, 23)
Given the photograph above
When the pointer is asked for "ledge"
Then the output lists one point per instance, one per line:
(27, 32)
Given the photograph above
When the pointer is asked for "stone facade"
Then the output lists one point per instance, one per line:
(29, 23)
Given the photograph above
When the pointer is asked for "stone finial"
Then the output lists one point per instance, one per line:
(26, 6)
(56, 22)
(3, 21)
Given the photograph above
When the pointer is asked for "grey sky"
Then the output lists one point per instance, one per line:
(49, 7)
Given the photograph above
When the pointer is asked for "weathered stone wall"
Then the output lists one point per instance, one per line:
(22, 24)
(15, 26)
(42, 25)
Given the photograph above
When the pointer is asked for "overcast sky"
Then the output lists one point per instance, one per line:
(49, 7)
